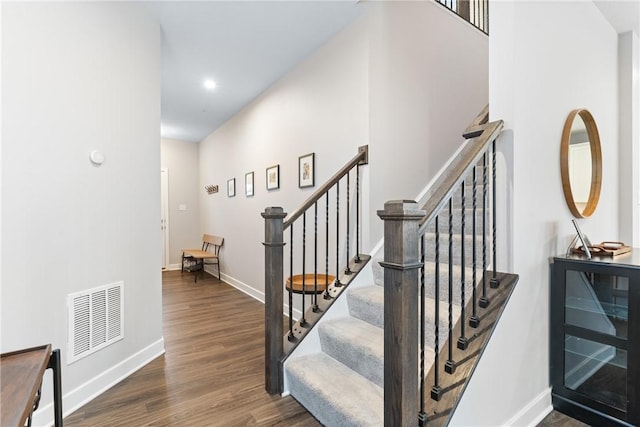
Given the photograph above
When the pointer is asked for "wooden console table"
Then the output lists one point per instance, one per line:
(21, 372)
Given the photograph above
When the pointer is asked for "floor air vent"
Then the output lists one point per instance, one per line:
(95, 319)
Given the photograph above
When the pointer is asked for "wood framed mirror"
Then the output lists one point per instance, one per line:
(581, 163)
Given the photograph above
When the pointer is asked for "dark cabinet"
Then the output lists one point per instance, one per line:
(595, 338)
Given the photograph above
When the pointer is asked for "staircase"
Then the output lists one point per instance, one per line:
(407, 344)
(345, 386)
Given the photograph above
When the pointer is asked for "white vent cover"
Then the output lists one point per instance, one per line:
(96, 319)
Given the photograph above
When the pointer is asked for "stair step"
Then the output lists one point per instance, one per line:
(368, 302)
(356, 344)
(443, 221)
(430, 280)
(430, 254)
(333, 393)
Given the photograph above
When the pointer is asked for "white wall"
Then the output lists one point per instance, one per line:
(380, 82)
(629, 128)
(78, 77)
(428, 80)
(546, 58)
(182, 161)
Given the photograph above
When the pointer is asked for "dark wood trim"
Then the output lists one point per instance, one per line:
(273, 294)
(401, 268)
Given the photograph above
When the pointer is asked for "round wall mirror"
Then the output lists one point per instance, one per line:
(581, 163)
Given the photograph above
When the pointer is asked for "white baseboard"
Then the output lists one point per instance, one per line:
(241, 286)
(534, 412)
(252, 292)
(172, 267)
(88, 391)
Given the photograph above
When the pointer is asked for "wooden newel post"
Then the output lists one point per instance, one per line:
(273, 282)
(401, 265)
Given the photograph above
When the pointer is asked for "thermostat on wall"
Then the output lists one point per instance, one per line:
(96, 157)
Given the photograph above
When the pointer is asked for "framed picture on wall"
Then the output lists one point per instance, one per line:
(273, 177)
(248, 184)
(231, 187)
(306, 170)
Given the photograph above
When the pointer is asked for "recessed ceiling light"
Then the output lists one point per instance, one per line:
(209, 84)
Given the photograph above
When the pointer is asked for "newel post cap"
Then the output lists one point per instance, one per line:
(405, 210)
(273, 212)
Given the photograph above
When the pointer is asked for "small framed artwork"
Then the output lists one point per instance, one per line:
(231, 187)
(273, 177)
(306, 170)
(248, 184)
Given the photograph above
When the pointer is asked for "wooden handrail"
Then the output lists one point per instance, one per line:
(446, 184)
(362, 158)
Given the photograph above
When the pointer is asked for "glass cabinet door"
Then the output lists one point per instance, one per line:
(596, 315)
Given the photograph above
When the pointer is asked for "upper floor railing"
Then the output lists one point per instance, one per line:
(475, 12)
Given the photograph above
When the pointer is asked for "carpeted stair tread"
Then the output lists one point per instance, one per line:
(457, 248)
(372, 298)
(357, 344)
(333, 393)
(367, 303)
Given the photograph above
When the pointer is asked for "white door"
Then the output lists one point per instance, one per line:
(164, 215)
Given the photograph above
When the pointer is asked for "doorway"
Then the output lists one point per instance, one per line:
(164, 216)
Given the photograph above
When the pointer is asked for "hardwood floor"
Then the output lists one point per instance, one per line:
(212, 373)
(558, 419)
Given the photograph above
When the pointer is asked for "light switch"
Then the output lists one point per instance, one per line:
(183, 207)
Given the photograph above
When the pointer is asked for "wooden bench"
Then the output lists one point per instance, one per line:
(209, 254)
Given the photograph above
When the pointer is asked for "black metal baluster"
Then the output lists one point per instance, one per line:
(486, 17)
(315, 259)
(291, 337)
(358, 260)
(326, 252)
(474, 321)
(450, 365)
(303, 321)
(422, 416)
(484, 300)
(348, 207)
(463, 342)
(436, 390)
(494, 282)
(338, 284)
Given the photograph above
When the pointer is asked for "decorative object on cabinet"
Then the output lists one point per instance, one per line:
(604, 249)
(231, 187)
(211, 189)
(581, 163)
(594, 335)
(580, 238)
(306, 170)
(248, 184)
(273, 177)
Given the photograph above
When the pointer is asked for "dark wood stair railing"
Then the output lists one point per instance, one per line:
(320, 286)
(411, 394)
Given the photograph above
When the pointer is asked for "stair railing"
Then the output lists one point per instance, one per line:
(318, 269)
(475, 12)
(405, 227)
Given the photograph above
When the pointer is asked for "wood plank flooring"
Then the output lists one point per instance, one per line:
(558, 419)
(212, 373)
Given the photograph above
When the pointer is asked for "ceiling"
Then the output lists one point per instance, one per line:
(624, 15)
(244, 46)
